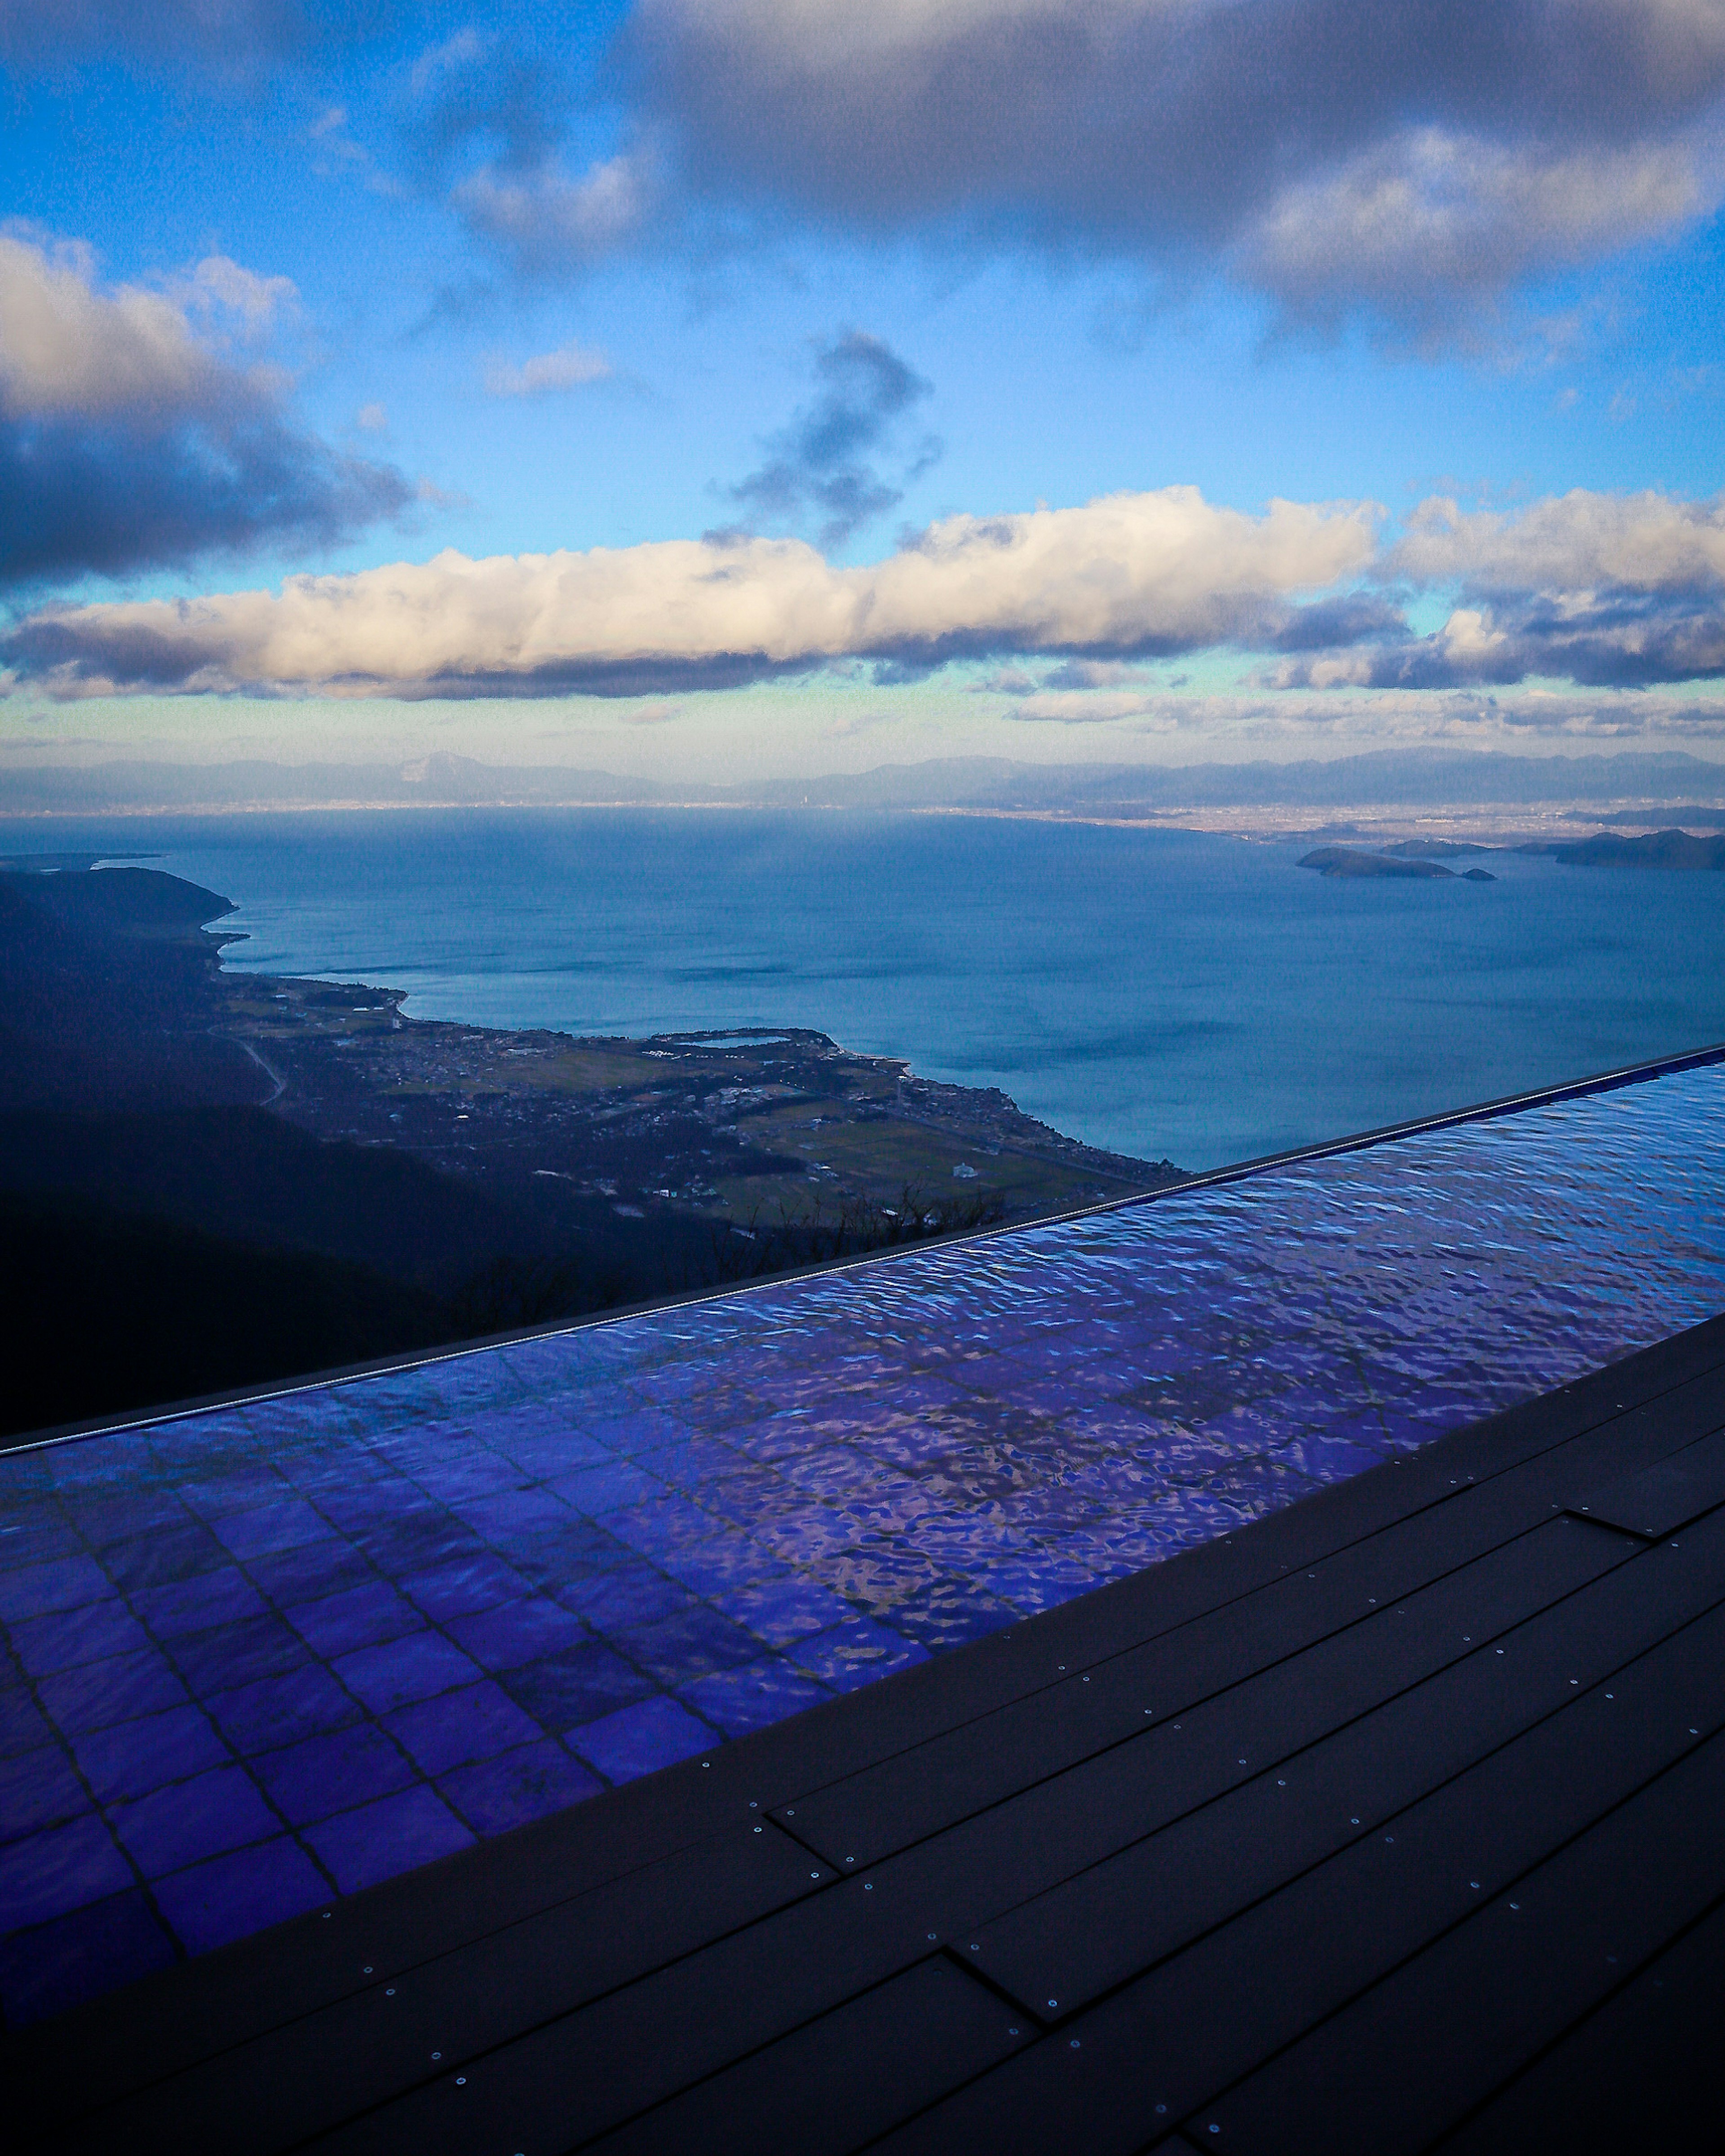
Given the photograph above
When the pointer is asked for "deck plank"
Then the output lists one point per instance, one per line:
(1409, 2060)
(1625, 2078)
(1158, 2050)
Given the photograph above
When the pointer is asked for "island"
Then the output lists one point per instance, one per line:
(1411, 858)
(1651, 849)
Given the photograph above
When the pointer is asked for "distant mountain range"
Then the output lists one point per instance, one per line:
(1404, 778)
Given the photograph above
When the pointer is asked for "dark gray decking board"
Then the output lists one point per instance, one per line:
(1410, 2059)
(1624, 2079)
(1657, 1499)
(420, 1927)
(383, 2039)
(966, 1768)
(784, 1973)
(1174, 2038)
(1103, 1927)
(842, 2080)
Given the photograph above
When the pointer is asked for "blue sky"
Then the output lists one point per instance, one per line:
(759, 294)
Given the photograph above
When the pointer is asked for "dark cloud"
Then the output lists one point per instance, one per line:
(77, 495)
(1340, 150)
(126, 441)
(1628, 642)
(820, 466)
(1355, 617)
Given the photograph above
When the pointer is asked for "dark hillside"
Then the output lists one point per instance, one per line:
(107, 994)
(106, 1311)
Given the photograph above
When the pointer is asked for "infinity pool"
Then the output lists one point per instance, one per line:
(265, 1655)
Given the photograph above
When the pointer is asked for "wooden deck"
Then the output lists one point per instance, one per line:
(1395, 1822)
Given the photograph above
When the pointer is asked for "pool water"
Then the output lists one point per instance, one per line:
(264, 1654)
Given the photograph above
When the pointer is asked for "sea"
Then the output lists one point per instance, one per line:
(1166, 993)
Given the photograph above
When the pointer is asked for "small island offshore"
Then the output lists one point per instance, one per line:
(212, 1179)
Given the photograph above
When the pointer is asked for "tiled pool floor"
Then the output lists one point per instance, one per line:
(268, 1654)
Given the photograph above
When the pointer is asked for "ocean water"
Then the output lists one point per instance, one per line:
(1162, 993)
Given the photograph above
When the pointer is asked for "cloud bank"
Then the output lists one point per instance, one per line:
(1130, 573)
(129, 437)
(1341, 151)
(1609, 591)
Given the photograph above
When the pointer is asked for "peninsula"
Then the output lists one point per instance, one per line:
(212, 1179)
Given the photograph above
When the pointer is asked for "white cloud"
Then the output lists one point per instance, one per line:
(373, 418)
(1084, 707)
(1575, 542)
(67, 348)
(1165, 571)
(570, 367)
(219, 286)
(547, 219)
(1457, 213)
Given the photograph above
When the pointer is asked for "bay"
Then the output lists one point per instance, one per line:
(1160, 992)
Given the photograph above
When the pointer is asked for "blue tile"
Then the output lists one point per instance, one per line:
(61, 1583)
(514, 1515)
(258, 1718)
(231, 1897)
(458, 1727)
(576, 1685)
(285, 1523)
(632, 1593)
(782, 1609)
(78, 1955)
(332, 1772)
(530, 1783)
(162, 1555)
(186, 1820)
(310, 1571)
(468, 1584)
(753, 1695)
(130, 1758)
(597, 1491)
(406, 1669)
(23, 1727)
(239, 1654)
(193, 1605)
(377, 1840)
(358, 1617)
(687, 1644)
(46, 1874)
(854, 1653)
(640, 1739)
(70, 1637)
(39, 1790)
(113, 1691)
(512, 1633)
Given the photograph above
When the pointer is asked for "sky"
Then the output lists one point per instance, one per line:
(734, 387)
